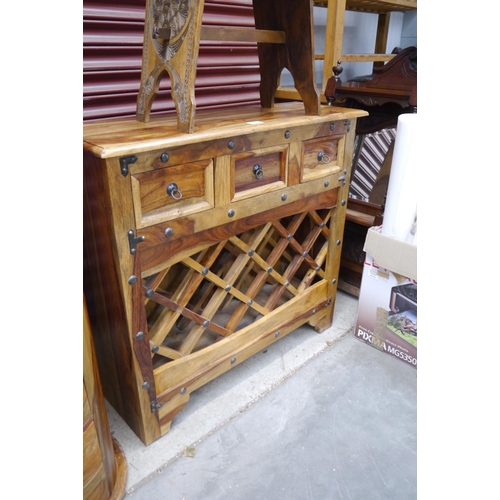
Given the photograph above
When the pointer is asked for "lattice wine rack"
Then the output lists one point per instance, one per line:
(212, 294)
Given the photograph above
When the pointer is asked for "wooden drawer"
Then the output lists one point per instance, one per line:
(163, 194)
(259, 171)
(322, 156)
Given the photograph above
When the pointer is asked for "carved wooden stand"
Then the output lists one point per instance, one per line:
(172, 34)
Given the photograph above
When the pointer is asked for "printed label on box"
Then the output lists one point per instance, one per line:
(387, 312)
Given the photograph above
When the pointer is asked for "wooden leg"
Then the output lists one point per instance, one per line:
(294, 18)
(323, 319)
(171, 406)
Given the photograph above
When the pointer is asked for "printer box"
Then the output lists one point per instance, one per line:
(387, 310)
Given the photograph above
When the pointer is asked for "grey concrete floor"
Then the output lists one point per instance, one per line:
(313, 417)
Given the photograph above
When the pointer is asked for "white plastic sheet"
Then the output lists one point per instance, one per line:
(400, 213)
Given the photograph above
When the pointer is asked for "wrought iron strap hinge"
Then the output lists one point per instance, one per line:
(133, 241)
(125, 161)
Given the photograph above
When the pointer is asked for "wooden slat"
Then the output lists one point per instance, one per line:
(241, 35)
(375, 5)
(197, 318)
(360, 57)
(366, 57)
(159, 331)
(167, 352)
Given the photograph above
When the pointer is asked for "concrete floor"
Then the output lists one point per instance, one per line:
(314, 416)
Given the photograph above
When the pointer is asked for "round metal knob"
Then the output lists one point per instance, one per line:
(173, 191)
(323, 157)
(258, 172)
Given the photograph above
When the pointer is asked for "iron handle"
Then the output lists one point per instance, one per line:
(258, 172)
(324, 158)
(173, 191)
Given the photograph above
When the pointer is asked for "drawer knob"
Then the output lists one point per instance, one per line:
(173, 191)
(323, 157)
(258, 172)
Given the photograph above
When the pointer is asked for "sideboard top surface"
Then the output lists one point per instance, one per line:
(118, 137)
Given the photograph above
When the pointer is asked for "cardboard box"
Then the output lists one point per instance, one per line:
(387, 310)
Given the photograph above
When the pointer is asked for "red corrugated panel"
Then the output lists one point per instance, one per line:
(116, 58)
(111, 58)
(114, 10)
(99, 32)
(124, 105)
(103, 82)
(228, 73)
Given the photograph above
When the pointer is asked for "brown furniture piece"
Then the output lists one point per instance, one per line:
(172, 33)
(390, 91)
(334, 35)
(104, 464)
(202, 249)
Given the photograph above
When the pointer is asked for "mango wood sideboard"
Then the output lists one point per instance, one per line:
(202, 249)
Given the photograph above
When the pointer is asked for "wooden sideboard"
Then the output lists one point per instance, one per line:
(202, 249)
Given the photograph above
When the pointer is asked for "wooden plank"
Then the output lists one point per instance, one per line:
(374, 5)
(241, 34)
(366, 57)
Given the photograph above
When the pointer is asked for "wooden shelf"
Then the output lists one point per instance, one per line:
(375, 6)
(335, 33)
